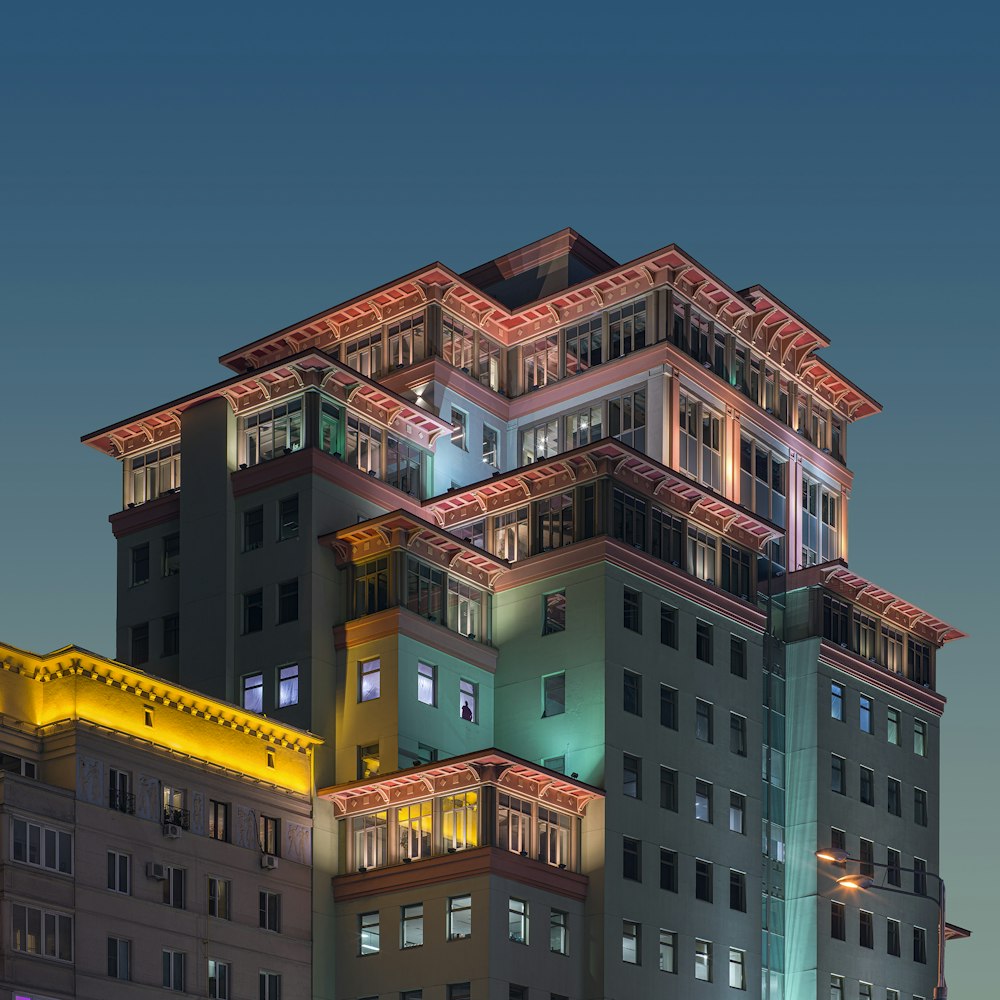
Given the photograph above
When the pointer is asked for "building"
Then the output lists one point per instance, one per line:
(578, 527)
(152, 838)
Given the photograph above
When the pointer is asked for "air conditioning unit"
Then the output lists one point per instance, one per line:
(154, 869)
(268, 862)
(172, 830)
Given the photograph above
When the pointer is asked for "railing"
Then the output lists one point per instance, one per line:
(178, 817)
(122, 802)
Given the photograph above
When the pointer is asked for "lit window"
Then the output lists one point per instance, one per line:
(631, 942)
(459, 917)
(414, 826)
(703, 960)
(491, 440)
(554, 612)
(558, 932)
(288, 685)
(836, 701)
(892, 725)
(517, 920)
(369, 760)
(668, 951)
(219, 974)
(253, 692)
(737, 812)
(426, 684)
(737, 969)
(219, 894)
(218, 820)
(703, 801)
(865, 714)
(370, 683)
(27, 923)
(553, 695)
(460, 436)
(467, 697)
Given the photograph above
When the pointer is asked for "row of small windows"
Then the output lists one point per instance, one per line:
(286, 525)
(866, 789)
(139, 639)
(286, 609)
(866, 718)
(370, 687)
(865, 990)
(866, 932)
(286, 689)
(893, 862)
(704, 875)
(669, 959)
(140, 562)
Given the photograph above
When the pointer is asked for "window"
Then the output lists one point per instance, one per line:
(268, 831)
(288, 685)
(737, 969)
(632, 610)
(703, 960)
(737, 734)
(559, 932)
(219, 894)
(892, 937)
(668, 951)
(270, 986)
(269, 910)
(120, 797)
(517, 920)
(171, 635)
(119, 872)
(218, 820)
(703, 801)
(704, 878)
(893, 867)
(703, 642)
(42, 932)
(253, 528)
(155, 473)
(836, 988)
(920, 738)
(460, 436)
(491, 441)
(371, 587)
(42, 846)
(459, 991)
(408, 995)
(668, 706)
(737, 812)
(867, 786)
(866, 930)
(668, 626)
(920, 876)
(370, 680)
(414, 825)
(865, 714)
(919, 807)
(288, 601)
(631, 776)
(631, 859)
(737, 656)
(426, 684)
(171, 555)
(173, 970)
(838, 776)
(918, 656)
(119, 958)
(139, 644)
(631, 944)
(467, 696)
(738, 891)
(864, 991)
(554, 695)
(140, 564)
(288, 518)
(632, 693)
(668, 870)
(253, 611)
(554, 612)
(514, 823)
(892, 994)
(892, 725)
(703, 723)
(838, 921)
(253, 692)
(583, 345)
(668, 788)
(627, 329)
(894, 797)
(369, 933)
(627, 419)
(219, 974)
(174, 886)
(838, 840)
(920, 945)
(700, 442)
(867, 865)
(836, 701)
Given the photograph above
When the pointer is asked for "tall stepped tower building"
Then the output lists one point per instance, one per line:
(553, 554)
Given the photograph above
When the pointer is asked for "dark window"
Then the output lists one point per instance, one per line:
(836, 701)
(632, 610)
(737, 734)
(894, 797)
(703, 728)
(892, 937)
(920, 876)
(171, 635)
(838, 839)
(140, 644)
(737, 656)
(632, 693)
(919, 807)
(867, 786)
(920, 945)
(631, 859)
(554, 612)
(894, 874)
(738, 891)
(631, 776)
(253, 528)
(554, 695)
(668, 706)
(836, 616)
(288, 518)
(703, 880)
(140, 564)
(668, 788)
(838, 779)
(866, 935)
(703, 642)
(668, 626)
(288, 601)
(269, 910)
(867, 865)
(171, 554)
(668, 870)
(253, 611)
(838, 921)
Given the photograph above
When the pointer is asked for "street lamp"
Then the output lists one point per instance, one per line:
(859, 881)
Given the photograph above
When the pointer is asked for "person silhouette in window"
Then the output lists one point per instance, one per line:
(466, 712)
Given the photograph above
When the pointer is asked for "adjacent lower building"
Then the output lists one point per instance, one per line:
(151, 839)
(553, 555)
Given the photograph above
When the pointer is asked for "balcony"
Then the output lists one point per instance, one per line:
(177, 817)
(122, 802)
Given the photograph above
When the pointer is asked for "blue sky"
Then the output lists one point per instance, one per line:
(178, 181)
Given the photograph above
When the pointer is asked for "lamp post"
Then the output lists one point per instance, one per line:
(859, 881)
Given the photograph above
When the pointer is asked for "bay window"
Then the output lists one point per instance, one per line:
(272, 432)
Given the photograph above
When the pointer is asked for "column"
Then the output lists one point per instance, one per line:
(731, 446)
(793, 538)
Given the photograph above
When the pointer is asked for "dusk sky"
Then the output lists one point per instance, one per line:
(178, 181)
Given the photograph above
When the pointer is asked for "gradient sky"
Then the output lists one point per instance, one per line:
(177, 181)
